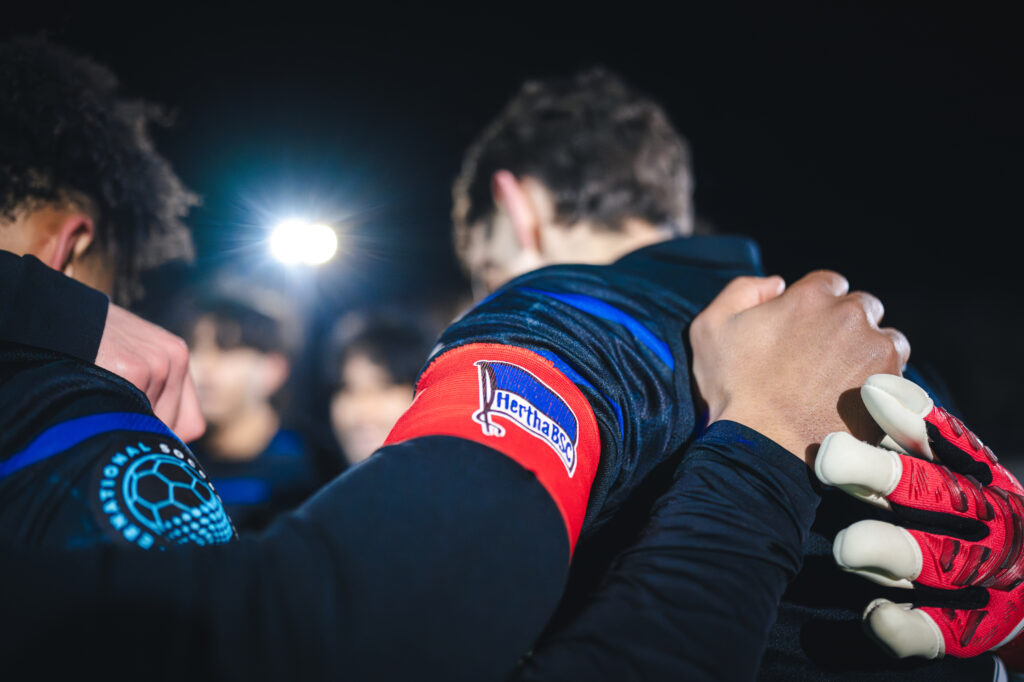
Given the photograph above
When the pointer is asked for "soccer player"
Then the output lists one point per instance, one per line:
(585, 169)
(84, 192)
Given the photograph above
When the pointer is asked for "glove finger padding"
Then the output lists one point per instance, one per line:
(879, 551)
(900, 407)
(904, 631)
(908, 415)
(893, 556)
(965, 518)
(926, 494)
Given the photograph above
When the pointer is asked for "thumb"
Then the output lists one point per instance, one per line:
(746, 292)
(900, 406)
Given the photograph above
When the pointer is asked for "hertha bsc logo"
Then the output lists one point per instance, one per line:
(509, 391)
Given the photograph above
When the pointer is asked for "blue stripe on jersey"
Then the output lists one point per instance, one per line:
(242, 491)
(577, 378)
(66, 435)
(599, 308)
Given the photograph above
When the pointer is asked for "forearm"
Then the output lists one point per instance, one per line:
(41, 307)
(697, 594)
(437, 556)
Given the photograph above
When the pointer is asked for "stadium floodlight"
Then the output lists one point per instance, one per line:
(297, 241)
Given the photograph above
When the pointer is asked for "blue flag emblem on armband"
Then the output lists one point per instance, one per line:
(510, 391)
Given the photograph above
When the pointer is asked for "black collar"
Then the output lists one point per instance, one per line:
(724, 251)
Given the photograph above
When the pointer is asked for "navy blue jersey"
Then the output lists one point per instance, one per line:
(257, 490)
(83, 461)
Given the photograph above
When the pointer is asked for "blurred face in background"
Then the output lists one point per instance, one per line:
(231, 382)
(366, 407)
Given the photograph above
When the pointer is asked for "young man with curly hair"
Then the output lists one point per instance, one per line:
(84, 193)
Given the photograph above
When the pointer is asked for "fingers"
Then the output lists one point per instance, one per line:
(156, 362)
(167, 402)
(896, 557)
(873, 311)
(899, 406)
(824, 280)
(900, 343)
(825, 285)
(910, 418)
(962, 451)
(178, 404)
(865, 472)
(904, 631)
(191, 424)
(933, 632)
(746, 292)
(879, 551)
(873, 308)
(881, 477)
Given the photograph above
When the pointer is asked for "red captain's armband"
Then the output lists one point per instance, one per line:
(516, 402)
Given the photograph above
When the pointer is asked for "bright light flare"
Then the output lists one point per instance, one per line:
(299, 242)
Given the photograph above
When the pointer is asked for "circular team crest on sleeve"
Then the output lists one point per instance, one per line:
(153, 493)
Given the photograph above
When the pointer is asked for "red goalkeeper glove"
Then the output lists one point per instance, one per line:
(963, 548)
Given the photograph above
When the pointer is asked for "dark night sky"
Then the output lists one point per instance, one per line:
(883, 142)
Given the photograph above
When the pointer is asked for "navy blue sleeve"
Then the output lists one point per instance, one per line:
(438, 558)
(622, 342)
(694, 599)
(41, 307)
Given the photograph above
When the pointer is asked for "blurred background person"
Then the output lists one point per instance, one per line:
(373, 364)
(241, 342)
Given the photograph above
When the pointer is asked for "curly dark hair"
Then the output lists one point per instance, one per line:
(65, 132)
(605, 152)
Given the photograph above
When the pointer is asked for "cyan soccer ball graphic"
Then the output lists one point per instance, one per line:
(167, 496)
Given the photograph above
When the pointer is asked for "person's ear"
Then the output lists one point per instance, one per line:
(510, 195)
(74, 235)
(275, 369)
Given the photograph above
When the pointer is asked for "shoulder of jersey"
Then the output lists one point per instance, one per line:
(149, 491)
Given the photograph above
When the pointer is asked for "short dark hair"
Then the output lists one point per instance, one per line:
(604, 151)
(65, 131)
(241, 326)
(399, 346)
